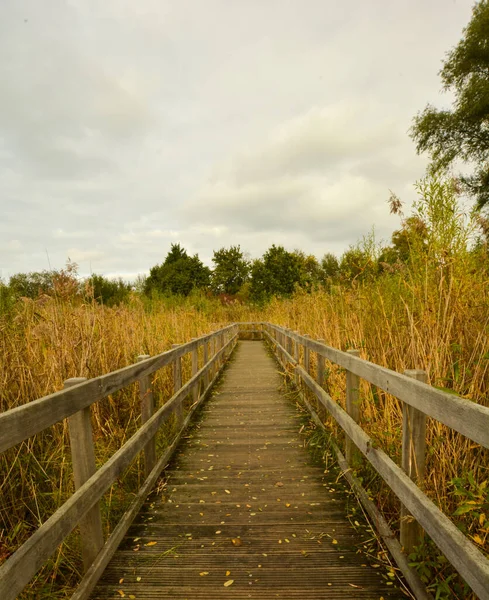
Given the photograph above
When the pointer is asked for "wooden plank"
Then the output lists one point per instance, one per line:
(416, 585)
(147, 410)
(24, 421)
(195, 368)
(19, 568)
(468, 418)
(91, 577)
(413, 463)
(212, 511)
(177, 384)
(464, 556)
(353, 409)
(83, 462)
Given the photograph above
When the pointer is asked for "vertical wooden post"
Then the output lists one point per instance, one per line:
(206, 360)
(147, 409)
(289, 342)
(320, 379)
(296, 358)
(177, 384)
(307, 355)
(353, 409)
(83, 459)
(195, 368)
(413, 463)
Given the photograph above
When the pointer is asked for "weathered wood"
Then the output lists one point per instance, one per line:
(83, 461)
(147, 410)
(321, 366)
(195, 368)
(353, 409)
(203, 513)
(413, 463)
(383, 529)
(19, 568)
(468, 418)
(206, 360)
(307, 361)
(464, 556)
(177, 384)
(24, 421)
(97, 568)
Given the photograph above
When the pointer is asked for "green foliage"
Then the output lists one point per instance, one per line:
(7, 299)
(277, 273)
(107, 291)
(462, 132)
(33, 284)
(179, 274)
(330, 267)
(231, 270)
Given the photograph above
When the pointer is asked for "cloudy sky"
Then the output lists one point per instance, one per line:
(128, 125)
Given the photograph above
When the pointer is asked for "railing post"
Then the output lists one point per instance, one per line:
(413, 463)
(177, 384)
(289, 342)
(195, 368)
(307, 355)
(83, 459)
(206, 360)
(147, 409)
(320, 378)
(296, 358)
(353, 409)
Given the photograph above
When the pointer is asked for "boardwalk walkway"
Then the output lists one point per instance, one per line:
(246, 512)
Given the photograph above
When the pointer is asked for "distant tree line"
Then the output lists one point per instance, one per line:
(279, 272)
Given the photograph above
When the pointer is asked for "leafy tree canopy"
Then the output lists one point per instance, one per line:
(107, 291)
(276, 274)
(179, 274)
(462, 132)
(231, 270)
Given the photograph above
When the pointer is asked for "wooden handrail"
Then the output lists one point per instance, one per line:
(18, 569)
(18, 424)
(460, 414)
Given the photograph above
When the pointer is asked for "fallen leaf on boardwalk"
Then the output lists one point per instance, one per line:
(138, 579)
(279, 484)
(121, 593)
(227, 491)
(218, 532)
(228, 573)
(287, 504)
(335, 541)
(121, 580)
(151, 544)
(132, 596)
(228, 582)
(355, 586)
(304, 553)
(204, 573)
(236, 542)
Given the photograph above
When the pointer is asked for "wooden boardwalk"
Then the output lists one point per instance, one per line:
(245, 512)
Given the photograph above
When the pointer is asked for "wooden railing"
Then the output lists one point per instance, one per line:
(73, 403)
(419, 401)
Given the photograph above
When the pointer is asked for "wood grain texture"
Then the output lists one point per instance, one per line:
(413, 463)
(19, 568)
(243, 474)
(468, 418)
(24, 421)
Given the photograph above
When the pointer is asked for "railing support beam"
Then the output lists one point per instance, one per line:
(83, 459)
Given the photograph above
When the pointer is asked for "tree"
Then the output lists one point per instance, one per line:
(276, 274)
(179, 274)
(107, 291)
(463, 132)
(231, 270)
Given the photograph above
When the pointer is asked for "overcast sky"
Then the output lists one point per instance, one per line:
(128, 125)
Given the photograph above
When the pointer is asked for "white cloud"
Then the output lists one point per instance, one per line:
(127, 126)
